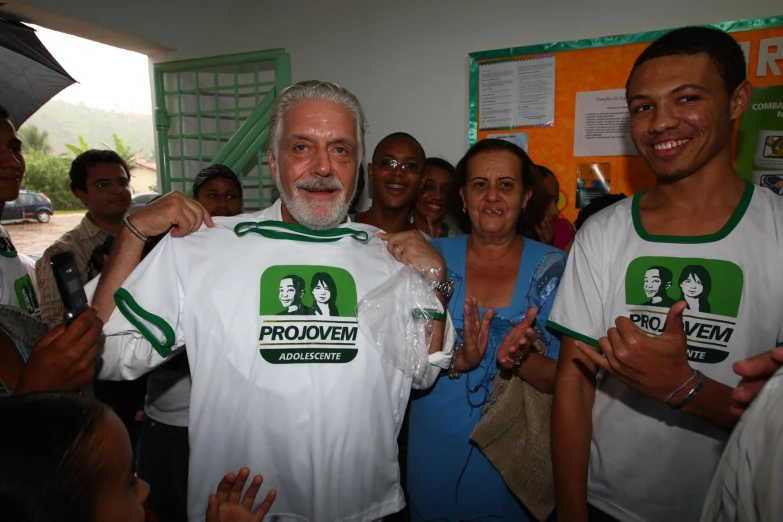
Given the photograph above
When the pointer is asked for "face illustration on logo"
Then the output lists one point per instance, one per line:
(695, 286)
(321, 293)
(291, 292)
(692, 287)
(657, 280)
(324, 292)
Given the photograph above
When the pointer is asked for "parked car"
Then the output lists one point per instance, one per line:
(27, 207)
(139, 200)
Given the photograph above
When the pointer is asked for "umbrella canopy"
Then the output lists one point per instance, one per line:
(29, 74)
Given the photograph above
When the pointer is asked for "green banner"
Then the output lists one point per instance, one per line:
(760, 147)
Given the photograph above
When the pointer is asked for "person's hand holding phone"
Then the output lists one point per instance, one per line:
(63, 359)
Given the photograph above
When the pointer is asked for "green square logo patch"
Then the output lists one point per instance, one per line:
(712, 289)
(308, 315)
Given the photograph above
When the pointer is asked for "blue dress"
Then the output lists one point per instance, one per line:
(448, 478)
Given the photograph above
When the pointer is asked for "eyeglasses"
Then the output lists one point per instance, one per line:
(405, 166)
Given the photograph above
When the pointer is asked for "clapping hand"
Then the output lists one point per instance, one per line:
(519, 341)
(228, 504)
(475, 337)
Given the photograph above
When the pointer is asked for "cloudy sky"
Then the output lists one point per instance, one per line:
(109, 78)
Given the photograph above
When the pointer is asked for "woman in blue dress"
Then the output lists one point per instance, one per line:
(448, 478)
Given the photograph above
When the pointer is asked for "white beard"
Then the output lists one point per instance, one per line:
(316, 215)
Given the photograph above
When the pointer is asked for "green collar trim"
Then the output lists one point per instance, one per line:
(730, 225)
(295, 232)
(6, 253)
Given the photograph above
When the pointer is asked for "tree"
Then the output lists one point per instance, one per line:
(49, 174)
(123, 149)
(35, 139)
(80, 149)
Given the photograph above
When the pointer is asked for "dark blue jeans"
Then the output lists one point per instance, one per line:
(162, 460)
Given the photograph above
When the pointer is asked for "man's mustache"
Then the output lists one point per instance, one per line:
(319, 183)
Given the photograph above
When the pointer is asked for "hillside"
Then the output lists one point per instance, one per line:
(65, 122)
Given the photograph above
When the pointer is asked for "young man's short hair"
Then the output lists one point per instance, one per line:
(212, 172)
(398, 135)
(4, 113)
(89, 159)
(724, 52)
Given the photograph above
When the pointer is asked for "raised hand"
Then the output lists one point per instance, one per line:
(519, 341)
(175, 210)
(655, 366)
(434, 230)
(411, 248)
(63, 359)
(546, 230)
(755, 373)
(475, 337)
(228, 504)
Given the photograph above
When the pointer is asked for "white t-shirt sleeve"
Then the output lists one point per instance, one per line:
(578, 308)
(151, 299)
(125, 353)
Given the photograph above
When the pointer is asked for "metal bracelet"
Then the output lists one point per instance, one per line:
(133, 229)
(692, 394)
(453, 373)
(678, 390)
(521, 359)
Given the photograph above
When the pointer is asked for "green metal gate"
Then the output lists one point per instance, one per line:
(217, 110)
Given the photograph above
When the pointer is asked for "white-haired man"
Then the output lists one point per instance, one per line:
(313, 404)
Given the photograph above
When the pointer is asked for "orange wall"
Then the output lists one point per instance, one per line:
(594, 70)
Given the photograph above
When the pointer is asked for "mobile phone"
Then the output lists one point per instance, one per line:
(66, 274)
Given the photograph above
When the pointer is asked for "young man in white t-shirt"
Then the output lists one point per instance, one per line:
(641, 441)
(311, 401)
(16, 286)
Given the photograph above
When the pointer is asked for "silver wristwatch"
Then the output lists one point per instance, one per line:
(445, 287)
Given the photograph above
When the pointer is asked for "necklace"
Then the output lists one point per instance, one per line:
(513, 247)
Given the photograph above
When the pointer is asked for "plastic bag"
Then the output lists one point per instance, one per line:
(397, 317)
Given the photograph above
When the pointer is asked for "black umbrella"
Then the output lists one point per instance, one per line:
(29, 74)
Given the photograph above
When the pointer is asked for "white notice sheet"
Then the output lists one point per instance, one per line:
(602, 124)
(519, 93)
(497, 95)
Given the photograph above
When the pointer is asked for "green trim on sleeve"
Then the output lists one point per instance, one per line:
(731, 224)
(570, 333)
(428, 313)
(137, 315)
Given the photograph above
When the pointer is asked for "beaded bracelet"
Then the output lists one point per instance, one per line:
(692, 394)
(678, 390)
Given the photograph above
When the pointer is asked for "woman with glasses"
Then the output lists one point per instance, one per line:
(496, 270)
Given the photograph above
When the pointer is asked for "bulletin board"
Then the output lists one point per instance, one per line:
(601, 64)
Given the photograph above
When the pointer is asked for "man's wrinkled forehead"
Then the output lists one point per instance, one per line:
(316, 119)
